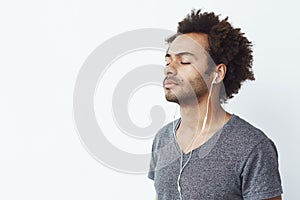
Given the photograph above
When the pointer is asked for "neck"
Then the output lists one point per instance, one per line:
(193, 116)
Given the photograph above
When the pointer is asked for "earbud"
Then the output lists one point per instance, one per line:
(216, 75)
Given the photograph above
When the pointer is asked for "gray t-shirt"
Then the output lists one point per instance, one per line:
(237, 162)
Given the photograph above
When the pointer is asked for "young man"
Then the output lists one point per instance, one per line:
(209, 153)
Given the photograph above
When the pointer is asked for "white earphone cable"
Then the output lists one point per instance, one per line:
(196, 136)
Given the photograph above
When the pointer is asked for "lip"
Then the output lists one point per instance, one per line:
(169, 83)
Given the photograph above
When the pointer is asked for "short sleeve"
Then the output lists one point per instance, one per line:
(260, 175)
(151, 172)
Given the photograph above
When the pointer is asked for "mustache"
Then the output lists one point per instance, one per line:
(172, 79)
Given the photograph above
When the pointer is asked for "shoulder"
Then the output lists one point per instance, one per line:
(244, 133)
(164, 135)
(242, 138)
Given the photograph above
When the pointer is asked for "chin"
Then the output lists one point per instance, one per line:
(171, 98)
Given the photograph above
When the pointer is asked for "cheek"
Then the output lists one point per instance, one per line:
(190, 73)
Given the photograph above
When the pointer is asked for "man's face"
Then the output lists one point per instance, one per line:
(186, 64)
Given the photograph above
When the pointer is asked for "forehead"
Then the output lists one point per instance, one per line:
(194, 43)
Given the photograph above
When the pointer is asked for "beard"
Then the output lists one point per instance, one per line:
(189, 92)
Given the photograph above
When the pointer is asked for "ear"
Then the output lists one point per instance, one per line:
(221, 70)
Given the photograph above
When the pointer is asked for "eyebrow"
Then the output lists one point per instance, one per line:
(180, 54)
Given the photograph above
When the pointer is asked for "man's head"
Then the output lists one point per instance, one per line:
(210, 44)
(186, 61)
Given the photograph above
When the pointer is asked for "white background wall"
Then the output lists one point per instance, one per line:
(43, 45)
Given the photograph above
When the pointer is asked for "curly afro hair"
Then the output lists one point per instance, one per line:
(227, 45)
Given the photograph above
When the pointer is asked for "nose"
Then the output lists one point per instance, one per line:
(170, 70)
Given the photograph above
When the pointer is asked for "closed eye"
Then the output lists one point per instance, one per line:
(185, 63)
